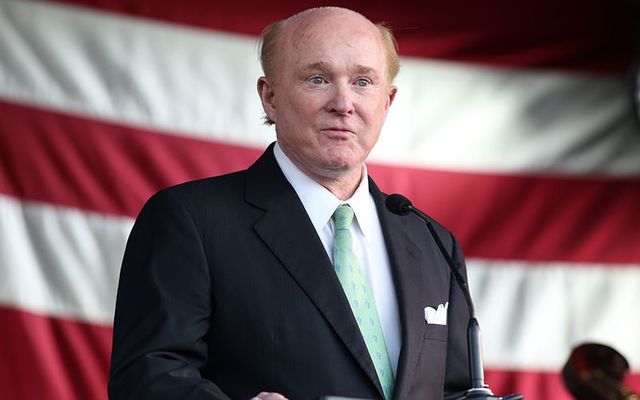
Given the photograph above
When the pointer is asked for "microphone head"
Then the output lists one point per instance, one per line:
(398, 204)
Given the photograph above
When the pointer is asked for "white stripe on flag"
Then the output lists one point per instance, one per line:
(197, 82)
(458, 117)
(532, 314)
(60, 261)
(132, 71)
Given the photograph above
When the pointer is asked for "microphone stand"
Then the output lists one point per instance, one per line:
(479, 390)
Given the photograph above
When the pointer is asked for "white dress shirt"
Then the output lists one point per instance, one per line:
(368, 241)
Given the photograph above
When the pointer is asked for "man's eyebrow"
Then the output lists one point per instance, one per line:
(322, 66)
(364, 70)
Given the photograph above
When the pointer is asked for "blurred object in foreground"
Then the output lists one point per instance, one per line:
(595, 372)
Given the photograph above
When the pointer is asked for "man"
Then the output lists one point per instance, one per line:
(291, 279)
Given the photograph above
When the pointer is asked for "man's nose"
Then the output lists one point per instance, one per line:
(341, 101)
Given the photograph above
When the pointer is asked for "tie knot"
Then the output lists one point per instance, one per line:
(343, 217)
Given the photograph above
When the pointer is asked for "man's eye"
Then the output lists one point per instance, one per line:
(362, 82)
(318, 80)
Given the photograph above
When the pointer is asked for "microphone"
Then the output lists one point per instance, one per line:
(400, 205)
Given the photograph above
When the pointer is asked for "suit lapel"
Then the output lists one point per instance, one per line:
(287, 230)
(404, 258)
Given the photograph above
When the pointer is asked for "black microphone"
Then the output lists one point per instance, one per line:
(400, 205)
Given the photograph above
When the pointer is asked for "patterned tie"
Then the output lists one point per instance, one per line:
(360, 297)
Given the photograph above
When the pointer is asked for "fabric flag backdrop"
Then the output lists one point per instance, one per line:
(513, 125)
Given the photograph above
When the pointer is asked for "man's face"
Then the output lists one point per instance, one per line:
(331, 94)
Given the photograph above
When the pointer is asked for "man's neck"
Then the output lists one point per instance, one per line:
(342, 184)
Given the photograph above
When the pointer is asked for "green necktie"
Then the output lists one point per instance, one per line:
(360, 297)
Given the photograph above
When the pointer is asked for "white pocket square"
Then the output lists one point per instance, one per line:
(436, 317)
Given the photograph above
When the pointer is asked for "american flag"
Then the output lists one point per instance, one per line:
(513, 126)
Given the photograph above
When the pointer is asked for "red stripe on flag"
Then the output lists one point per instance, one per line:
(536, 385)
(99, 166)
(47, 358)
(525, 217)
(582, 35)
(54, 359)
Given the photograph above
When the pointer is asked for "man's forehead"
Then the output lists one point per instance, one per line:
(306, 27)
(326, 31)
(324, 66)
(316, 36)
(326, 13)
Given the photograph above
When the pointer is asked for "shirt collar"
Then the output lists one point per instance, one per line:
(320, 203)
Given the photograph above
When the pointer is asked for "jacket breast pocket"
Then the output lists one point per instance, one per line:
(436, 332)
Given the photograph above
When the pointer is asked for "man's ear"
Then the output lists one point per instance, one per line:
(265, 91)
(392, 96)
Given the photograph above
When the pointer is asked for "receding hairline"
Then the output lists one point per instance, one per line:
(272, 37)
(323, 10)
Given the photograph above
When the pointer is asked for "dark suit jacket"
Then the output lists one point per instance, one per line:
(226, 291)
